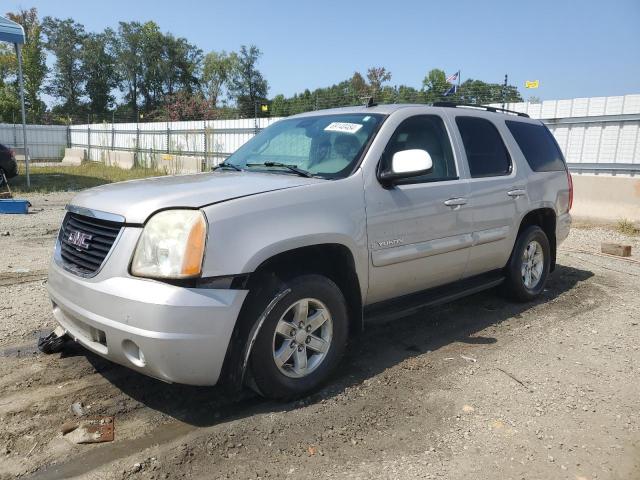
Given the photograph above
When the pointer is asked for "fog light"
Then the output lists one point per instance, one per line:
(133, 353)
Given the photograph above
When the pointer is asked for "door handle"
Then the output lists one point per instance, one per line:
(517, 192)
(455, 202)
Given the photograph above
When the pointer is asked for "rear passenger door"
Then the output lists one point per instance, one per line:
(497, 195)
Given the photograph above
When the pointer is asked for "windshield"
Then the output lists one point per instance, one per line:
(328, 146)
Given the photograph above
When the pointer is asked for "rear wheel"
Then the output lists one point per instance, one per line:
(302, 338)
(529, 265)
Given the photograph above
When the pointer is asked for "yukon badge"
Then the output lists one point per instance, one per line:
(390, 243)
(79, 239)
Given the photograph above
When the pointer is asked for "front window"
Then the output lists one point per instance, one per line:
(327, 146)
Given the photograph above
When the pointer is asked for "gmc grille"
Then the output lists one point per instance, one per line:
(85, 242)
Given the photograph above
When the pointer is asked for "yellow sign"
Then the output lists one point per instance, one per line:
(532, 83)
(264, 107)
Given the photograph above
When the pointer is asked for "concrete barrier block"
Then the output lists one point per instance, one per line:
(123, 160)
(19, 153)
(179, 164)
(606, 198)
(73, 156)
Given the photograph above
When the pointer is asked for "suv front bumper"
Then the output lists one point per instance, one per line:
(171, 333)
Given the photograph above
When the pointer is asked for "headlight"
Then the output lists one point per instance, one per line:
(171, 245)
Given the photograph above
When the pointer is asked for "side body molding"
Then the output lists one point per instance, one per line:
(404, 253)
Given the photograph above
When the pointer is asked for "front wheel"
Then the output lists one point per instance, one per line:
(302, 339)
(528, 268)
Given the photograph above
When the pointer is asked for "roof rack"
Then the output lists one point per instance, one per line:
(485, 107)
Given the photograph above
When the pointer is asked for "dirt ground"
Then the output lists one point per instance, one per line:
(478, 388)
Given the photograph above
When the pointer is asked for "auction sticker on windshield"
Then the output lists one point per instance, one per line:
(343, 127)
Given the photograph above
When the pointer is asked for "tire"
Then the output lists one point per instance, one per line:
(10, 169)
(307, 354)
(527, 272)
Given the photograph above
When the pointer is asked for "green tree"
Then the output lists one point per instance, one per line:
(247, 85)
(98, 64)
(407, 94)
(435, 85)
(216, 74)
(152, 63)
(64, 38)
(182, 64)
(129, 61)
(377, 76)
(9, 101)
(358, 86)
(34, 66)
(481, 93)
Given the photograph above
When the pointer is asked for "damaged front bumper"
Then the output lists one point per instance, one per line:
(168, 332)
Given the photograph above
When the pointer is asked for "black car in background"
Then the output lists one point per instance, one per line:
(8, 162)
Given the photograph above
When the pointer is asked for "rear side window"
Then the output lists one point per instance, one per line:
(538, 146)
(486, 152)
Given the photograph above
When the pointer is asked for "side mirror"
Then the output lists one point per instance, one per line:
(407, 164)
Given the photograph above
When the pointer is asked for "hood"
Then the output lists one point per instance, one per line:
(136, 200)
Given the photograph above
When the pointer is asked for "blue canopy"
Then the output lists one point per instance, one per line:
(11, 31)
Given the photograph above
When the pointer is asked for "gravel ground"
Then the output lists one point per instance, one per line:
(478, 388)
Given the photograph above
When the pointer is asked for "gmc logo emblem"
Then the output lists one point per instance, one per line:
(79, 239)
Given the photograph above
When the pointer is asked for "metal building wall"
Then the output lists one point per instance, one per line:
(596, 134)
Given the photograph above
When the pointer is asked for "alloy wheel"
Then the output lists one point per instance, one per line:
(302, 338)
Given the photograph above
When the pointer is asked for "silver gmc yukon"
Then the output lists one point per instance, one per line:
(259, 272)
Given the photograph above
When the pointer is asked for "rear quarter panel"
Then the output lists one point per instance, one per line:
(544, 189)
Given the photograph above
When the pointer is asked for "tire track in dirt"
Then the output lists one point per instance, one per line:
(16, 278)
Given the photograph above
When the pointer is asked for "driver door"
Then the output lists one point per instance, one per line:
(420, 229)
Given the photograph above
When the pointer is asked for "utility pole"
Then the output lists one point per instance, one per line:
(504, 90)
(24, 119)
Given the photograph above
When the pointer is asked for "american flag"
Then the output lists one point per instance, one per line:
(454, 77)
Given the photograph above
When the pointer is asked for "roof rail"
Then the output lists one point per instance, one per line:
(485, 107)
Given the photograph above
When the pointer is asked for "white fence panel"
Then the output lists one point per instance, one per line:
(611, 138)
(45, 142)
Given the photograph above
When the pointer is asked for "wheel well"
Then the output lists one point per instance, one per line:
(334, 261)
(545, 218)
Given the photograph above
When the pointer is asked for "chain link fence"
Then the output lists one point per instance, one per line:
(601, 133)
(198, 145)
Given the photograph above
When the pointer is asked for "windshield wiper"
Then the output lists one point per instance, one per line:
(228, 165)
(293, 168)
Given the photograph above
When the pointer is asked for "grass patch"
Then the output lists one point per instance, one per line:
(75, 178)
(627, 227)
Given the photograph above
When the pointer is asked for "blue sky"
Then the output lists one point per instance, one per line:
(575, 48)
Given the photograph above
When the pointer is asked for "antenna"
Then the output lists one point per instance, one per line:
(368, 102)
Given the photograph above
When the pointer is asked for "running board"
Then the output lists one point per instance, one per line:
(408, 304)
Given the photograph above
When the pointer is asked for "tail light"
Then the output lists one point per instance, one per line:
(570, 189)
